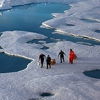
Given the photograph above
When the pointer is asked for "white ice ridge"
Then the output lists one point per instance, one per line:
(82, 20)
(66, 81)
(1, 50)
(17, 42)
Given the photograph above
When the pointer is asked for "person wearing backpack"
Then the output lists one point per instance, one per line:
(48, 60)
(61, 54)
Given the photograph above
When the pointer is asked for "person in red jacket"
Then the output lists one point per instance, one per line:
(72, 56)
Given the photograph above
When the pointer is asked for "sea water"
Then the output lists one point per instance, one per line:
(93, 73)
(12, 63)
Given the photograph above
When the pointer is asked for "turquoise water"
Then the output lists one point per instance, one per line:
(93, 73)
(30, 18)
(98, 31)
(12, 63)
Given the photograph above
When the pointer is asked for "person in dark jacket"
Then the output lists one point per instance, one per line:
(61, 54)
(48, 60)
(41, 59)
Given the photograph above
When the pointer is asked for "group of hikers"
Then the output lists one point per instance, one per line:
(61, 54)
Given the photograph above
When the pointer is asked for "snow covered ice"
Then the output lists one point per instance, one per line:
(65, 81)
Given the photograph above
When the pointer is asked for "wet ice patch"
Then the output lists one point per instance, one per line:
(90, 20)
(84, 43)
(70, 25)
(93, 73)
(46, 94)
(34, 99)
(97, 31)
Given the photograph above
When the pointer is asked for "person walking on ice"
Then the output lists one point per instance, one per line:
(41, 59)
(61, 54)
(72, 56)
(48, 60)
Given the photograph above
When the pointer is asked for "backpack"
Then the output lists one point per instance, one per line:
(48, 59)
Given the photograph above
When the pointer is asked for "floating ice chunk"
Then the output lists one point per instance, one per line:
(1, 51)
(4, 4)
